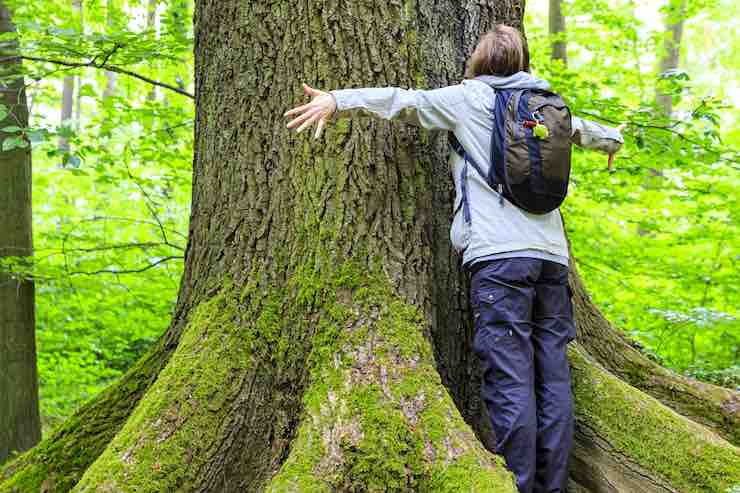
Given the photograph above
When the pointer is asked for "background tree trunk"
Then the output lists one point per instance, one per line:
(672, 49)
(556, 23)
(322, 311)
(20, 426)
(68, 91)
(151, 25)
(110, 77)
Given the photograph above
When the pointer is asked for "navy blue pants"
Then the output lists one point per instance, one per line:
(523, 321)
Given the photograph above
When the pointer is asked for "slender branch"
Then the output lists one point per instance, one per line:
(102, 248)
(148, 201)
(101, 65)
(667, 128)
(130, 220)
(127, 271)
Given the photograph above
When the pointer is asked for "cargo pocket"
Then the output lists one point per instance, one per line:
(492, 332)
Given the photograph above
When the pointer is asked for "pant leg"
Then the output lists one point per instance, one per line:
(553, 329)
(502, 295)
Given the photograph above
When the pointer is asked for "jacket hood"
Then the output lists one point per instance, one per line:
(519, 80)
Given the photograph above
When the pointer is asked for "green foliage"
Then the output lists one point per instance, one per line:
(656, 240)
(111, 207)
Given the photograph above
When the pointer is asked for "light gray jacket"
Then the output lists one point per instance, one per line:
(496, 230)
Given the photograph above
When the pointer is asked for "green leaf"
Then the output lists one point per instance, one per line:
(11, 143)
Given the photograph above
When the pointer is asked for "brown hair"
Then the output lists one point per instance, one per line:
(501, 51)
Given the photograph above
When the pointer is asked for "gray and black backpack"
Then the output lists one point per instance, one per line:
(530, 149)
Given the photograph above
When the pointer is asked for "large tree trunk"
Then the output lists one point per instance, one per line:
(322, 338)
(20, 426)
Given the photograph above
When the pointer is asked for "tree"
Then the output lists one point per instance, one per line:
(68, 89)
(110, 77)
(20, 426)
(321, 340)
(675, 14)
(556, 24)
(151, 24)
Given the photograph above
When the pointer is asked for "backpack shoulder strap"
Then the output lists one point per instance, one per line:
(459, 149)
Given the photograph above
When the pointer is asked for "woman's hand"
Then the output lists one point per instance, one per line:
(320, 109)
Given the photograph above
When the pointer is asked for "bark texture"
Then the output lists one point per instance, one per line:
(20, 426)
(322, 337)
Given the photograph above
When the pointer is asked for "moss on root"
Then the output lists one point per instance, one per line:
(59, 461)
(688, 455)
(175, 426)
(377, 416)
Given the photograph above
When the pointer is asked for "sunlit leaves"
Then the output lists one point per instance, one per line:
(660, 235)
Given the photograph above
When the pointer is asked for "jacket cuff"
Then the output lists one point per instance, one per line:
(340, 98)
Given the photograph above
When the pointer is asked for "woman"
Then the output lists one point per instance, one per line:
(518, 261)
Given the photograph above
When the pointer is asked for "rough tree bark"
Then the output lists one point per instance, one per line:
(321, 340)
(20, 426)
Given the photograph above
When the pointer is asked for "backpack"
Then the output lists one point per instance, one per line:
(530, 149)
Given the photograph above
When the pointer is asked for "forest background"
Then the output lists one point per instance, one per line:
(656, 239)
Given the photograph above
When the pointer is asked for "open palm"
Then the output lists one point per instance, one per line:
(319, 110)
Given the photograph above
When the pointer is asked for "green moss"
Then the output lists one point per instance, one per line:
(688, 455)
(363, 431)
(59, 461)
(465, 474)
(389, 455)
(169, 434)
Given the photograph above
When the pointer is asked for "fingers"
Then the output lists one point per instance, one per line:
(297, 109)
(309, 113)
(621, 127)
(303, 117)
(319, 128)
(314, 116)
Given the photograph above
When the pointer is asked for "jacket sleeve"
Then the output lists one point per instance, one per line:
(432, 109)
(592, 135)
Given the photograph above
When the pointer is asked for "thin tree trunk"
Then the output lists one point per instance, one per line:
(20, 426)
(78, 98)
(671, 49)
(110, 77)
(151, 25)
(557, 31)
(322, 339)
(68, 90)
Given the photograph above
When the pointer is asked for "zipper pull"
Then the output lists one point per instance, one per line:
(501, 194)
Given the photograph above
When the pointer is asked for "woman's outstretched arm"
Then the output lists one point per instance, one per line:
(432, 109)
(592, 135)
